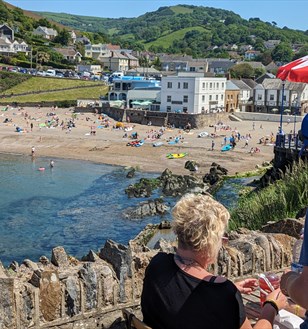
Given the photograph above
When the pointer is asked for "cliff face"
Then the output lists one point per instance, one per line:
(67, 293)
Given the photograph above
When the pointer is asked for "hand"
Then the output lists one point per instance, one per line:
(284, 281)
(279, 298)
(247, 286)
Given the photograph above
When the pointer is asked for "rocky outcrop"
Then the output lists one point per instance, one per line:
(169, 183)
(215, 174)
(147, 208)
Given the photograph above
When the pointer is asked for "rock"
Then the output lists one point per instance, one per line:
(28, 263)
(35, 279)
(59, 257)
(72, 293)
(147, 208)
(50, 295)
(14, 266)
(90, 257)
(44, 260)
(165, 224)
(191, 165)
(164, 246)
(289, 226)
(3, 273)
(89, 278)
(131, 173)
(215, 174)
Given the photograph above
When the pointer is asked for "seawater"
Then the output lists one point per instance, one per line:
(76, 204)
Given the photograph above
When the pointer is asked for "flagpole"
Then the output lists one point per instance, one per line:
(282, 106)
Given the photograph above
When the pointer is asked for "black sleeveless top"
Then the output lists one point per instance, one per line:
(173, 299)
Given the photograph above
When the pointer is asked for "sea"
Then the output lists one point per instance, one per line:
(75, 204)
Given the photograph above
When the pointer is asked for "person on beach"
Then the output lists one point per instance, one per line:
(178, 289)
(295, 285)
(33, 151)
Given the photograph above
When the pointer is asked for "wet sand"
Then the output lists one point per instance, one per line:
(109, 146)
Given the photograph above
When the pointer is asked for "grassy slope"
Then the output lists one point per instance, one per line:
(84, 93)
(39, 84)
(181, 10)
(168, 39)
(48, 84)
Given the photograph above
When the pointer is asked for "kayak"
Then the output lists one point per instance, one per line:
(227, 147)
(176, 155)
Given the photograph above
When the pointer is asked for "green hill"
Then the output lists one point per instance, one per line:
(184, 29)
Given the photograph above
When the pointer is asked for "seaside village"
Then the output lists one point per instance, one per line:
(189, 108)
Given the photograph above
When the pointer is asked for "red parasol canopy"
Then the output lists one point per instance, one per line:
(296, 71)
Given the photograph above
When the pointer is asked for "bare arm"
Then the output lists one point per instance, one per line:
(296, 286)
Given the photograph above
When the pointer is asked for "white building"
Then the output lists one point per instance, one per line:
(192, 93)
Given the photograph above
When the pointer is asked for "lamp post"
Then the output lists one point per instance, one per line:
(282, 106)
(295, 113)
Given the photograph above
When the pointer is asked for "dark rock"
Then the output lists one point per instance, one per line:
(301, 213)
(72, 293)
(90, 257)
(89, 278)
(59, 257)
(215, 174)
(191, 165)
(14, 266)
(288, 226)
(165, 224)
(35, 279)
(131, 173)
(147, 208)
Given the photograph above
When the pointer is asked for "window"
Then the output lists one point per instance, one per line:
(203, 85)
(185, 85)
(222, 85)
(221, 97)
(259, 97)
(185, 99)
(179, 85)
(210, 97)
(185, 110)
(203, 98)
(217, 85)
(211, 85)
(217, 97)
(168, 108)
(192, 69)
(271, 97)
(169, 85)
(168, 99)
(207, 85)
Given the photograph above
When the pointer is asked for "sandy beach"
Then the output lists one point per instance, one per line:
(107, 145)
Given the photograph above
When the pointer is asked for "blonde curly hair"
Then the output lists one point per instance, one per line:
(199, 223)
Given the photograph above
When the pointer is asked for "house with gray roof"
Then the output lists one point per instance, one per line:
(274, 93)
(45, 32)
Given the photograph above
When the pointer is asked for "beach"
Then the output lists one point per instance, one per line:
(94, 138)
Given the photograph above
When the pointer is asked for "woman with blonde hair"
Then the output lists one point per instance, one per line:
(180, 293)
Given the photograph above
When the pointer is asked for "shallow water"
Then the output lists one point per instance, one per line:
(76, 204)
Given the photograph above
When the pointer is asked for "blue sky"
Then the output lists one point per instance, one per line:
(292, 14)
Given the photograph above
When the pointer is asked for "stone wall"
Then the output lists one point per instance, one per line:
(179, 120)
(67, 293)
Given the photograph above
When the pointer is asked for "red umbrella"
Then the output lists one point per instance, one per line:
(296, 71)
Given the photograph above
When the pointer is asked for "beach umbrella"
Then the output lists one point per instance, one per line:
(296, 71)
(274, 110)
(287, 110)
